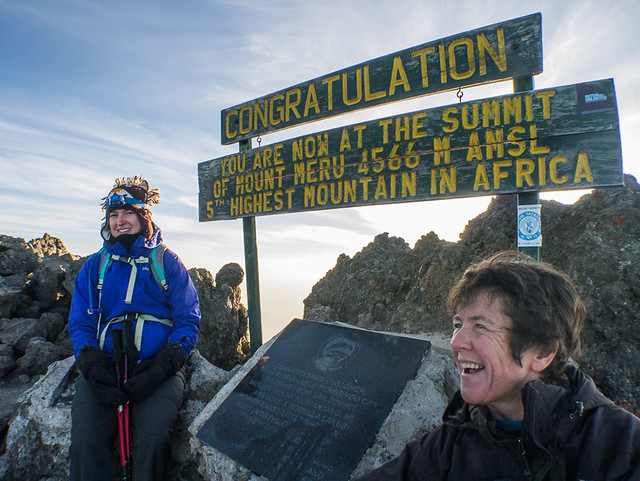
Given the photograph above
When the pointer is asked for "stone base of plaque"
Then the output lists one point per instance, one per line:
(258, 428)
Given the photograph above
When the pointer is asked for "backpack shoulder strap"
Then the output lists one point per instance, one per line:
(156, 264)
(105, 262)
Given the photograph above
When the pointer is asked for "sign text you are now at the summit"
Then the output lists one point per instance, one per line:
(551, 139)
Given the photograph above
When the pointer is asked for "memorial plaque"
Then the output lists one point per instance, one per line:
(311, 407)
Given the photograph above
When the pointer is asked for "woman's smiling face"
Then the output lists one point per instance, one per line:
(489, 375)
(124, 221)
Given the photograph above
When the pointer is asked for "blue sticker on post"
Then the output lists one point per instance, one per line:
(529, 226)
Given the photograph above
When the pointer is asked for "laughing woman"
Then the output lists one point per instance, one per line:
(524, 410)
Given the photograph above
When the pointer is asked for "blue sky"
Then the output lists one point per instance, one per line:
(91, 91)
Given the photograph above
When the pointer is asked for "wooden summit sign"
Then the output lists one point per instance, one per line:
(501, 51)
(552, 139)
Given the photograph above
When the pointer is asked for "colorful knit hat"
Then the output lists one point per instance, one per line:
(131, 191)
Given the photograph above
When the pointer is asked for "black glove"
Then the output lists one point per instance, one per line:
(101, 375)
(148, 375)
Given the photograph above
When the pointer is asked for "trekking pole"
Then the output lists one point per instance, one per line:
(122, 408)
(126, 349)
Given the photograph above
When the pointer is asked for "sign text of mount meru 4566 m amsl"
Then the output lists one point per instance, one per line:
(551, 139)
(501, 51)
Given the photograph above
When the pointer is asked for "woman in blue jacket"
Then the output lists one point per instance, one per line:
(138, 293)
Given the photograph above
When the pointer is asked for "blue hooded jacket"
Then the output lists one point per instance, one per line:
(179, 304)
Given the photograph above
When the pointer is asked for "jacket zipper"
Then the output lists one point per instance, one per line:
(523, 452)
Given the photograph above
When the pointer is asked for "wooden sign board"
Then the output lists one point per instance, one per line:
(504, 50)
(552, 139)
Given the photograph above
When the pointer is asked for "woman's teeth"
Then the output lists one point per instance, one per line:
(468, 367)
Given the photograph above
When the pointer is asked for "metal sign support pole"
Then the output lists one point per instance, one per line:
(251, 268)
(521, 84)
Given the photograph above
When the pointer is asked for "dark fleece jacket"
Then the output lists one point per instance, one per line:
(572, 434)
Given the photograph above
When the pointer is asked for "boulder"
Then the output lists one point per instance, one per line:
(17, 332)
(46, 283)
(39, 354)
(223, 338)
(7, 359)
(37, 442)
(16, 256)
(10, 296)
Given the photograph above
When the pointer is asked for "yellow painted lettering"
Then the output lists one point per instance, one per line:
(533, 143)
(553, 170)
(514, 139)
(494, 140)
(381, 189)
(398, 77)
(345, 88)
(228, 131)
(273, 109)
(499, 57)
(417, 124)
(441, 146)
(482, 179)
(377, 161)
(385, 123)
(491, 110)
(312, 101)
(465, 116)
(583, 169)
(422, 55)
(329, 83)
(474, 151)
(403, 128)
(467, 44)
(296, 150)
(546, 102)
(409, 182)
(242, 127)
(498, 173)
(359, 129)
(448, 119)
(524, 169)
(412, 159)
(368, 95)
(442, 55)
(512, 106)
(542, 171)
(345, 142)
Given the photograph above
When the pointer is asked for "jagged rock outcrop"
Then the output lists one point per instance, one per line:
(223, 338)
(389, 286)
